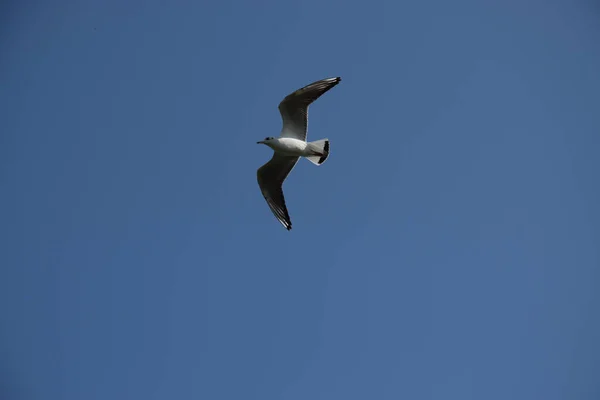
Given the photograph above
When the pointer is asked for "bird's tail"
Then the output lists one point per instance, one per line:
(320, 148)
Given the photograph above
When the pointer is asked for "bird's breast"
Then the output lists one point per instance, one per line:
(290, 146)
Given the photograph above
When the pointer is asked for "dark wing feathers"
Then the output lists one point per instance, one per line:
(270, 180)
(294, 107)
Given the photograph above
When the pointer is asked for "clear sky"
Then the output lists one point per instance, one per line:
(449, 248)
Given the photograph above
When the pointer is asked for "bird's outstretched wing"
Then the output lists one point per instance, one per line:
(294, 107)
(270, 180)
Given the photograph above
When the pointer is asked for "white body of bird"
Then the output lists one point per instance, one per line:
(316, 152)
(287, 146)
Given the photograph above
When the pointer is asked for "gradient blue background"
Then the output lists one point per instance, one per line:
(448, 249)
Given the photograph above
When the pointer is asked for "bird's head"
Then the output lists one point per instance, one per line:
(266, 140)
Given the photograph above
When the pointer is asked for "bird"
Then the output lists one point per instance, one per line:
(291, 145)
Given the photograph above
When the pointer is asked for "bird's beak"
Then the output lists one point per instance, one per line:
(259, 142)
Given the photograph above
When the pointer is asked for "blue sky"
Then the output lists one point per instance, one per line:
(449, 248)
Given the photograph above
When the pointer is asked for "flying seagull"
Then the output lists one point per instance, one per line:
(291, 145)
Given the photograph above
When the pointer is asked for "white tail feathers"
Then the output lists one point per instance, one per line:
(320, 148)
